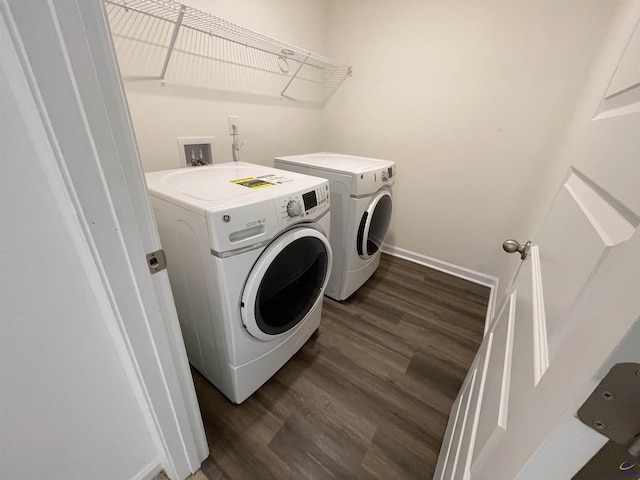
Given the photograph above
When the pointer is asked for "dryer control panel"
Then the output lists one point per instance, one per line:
(305, 205)
(387, 173)
(369, 182)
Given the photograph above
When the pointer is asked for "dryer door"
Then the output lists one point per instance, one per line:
(285, 283)
(374, 224)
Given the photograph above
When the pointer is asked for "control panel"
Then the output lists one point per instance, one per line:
(387, 174)
(297, 206)
(368, 182)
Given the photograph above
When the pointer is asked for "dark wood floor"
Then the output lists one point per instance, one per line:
(368, 396)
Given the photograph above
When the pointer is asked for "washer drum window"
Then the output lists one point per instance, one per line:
(285, 283)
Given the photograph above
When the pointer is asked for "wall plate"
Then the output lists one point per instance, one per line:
(195, 150)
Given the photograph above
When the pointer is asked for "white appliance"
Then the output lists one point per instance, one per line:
(248, 259)
(361, 205)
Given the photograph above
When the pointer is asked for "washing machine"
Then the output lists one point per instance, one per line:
(248, 258)
(361, 207)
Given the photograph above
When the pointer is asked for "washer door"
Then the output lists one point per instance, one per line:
(285, 283)
(374, 224)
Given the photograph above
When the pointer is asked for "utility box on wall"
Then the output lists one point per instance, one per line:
(195, 151)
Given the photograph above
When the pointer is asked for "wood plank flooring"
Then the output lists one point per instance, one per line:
(368, 396)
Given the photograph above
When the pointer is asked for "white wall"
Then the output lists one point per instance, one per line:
(472, 100)
(68, 409)
(476, 101)
(192, 106)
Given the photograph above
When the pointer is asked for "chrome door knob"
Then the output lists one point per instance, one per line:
(513, 246)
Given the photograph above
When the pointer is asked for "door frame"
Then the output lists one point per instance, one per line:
(69, 63)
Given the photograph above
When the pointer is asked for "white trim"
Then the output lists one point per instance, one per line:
(95, 148)
(540, 342)
(149, 472)
(451, 269)
(442, 266)
(491, 307)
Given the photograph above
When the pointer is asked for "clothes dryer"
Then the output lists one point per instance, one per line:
(249, 259)
(361, 207)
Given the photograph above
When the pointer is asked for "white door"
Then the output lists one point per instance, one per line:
(572, 313)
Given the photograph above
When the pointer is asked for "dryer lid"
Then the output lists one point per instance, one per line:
(338, 162)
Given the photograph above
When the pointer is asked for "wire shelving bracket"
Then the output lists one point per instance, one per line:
(329, 74)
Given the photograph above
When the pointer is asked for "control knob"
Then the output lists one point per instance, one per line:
(294, 208)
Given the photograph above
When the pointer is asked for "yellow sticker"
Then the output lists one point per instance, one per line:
(252, 182)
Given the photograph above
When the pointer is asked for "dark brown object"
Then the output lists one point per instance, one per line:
(368, 396)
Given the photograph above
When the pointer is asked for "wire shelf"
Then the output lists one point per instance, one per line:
(321, 75)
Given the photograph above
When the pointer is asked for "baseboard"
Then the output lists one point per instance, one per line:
(451, 269)
(149, 472)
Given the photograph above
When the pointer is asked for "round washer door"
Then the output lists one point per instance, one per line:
(285, 283)
(374, 224)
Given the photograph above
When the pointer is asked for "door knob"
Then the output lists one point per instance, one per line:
(512, 246)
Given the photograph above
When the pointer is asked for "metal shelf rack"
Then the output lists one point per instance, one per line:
(328, 75)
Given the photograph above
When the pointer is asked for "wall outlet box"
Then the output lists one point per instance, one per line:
(233, 120)
(195, 151)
